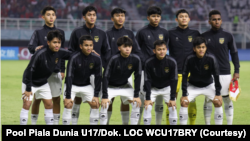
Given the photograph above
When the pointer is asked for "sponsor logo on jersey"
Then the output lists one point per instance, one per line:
(221, 40)
(148, 36)
(91, 65)
(118, 67)
(130, 66)
(56, 60)
(177, 39)
(190, 38)
(161, 36)
(45, 38)
(96, 38)
(113, 39)
(209, 40)
(80, 65)
(166, 69)
(206, 67)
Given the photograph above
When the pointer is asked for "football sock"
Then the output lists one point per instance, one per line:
(192, 112)
(183, 115)
(142, 107)
(34, 118)
(125, 117)
(56, 118)
(75, 113)
(229, 110)
(158, 114)
(218, 115)
(24, 117)
(207, 111)
(135, 114)
(103, 115)
(66, 117)
(48, 116)
(147, 116)
(94, 116)
(172, 116)
(167, 116)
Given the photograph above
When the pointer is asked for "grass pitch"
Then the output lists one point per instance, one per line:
(11, 103)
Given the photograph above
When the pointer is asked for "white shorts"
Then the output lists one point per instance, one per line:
(55, 83)
(165, 92)
(126, 92)
(225, 82)
(208, 91)
(85, 92)
(42, 92)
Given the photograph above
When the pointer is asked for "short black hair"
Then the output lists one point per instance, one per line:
(199, 40)
(88, 9)
(126, 41)
(159, 42)
(54, 34)
(154, 10)
(214, 12)
(85, 38)
(47, 8)
(181, 11)
(117, 11)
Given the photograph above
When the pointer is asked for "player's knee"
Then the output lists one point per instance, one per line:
(78, 100)
(27, 104)
(48, 105)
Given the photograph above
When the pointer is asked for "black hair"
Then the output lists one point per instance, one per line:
(47, 8)
(126, 41)
(181, 11)
(199, 40)
(159, 42)
(117, 11)
(154, 10)
(54, 34)
(88, 9)
(214, 12)
(85, 38)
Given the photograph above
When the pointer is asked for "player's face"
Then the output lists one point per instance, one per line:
(200, 50)
(90, 17)
(160, 51)
(215, 21)
(54, 44)
(125, 50)
(118, 19)
(154, 19)
(183, 19)
(49, 17)
(87, 47)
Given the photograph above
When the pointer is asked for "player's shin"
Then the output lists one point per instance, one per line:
(94, 116)
(207, 110)
(172, 116)
(48, 116)
(229, 110)
(75, 113)
(218, 115)
(147, 116)
(192, 112)
(183, 115)
(66, 117)
(103, 115)
(135, 114)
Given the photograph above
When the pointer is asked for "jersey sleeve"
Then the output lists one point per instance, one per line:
(234, 54)
(105, 50)
(136, 48)
(33, 43)
(105, 80)
(73, 43)
(216, 73)
(69, 77)
(63, 61)
(173, 79)
(98, 77)
(137, 80)
(185, 72)
(147, 81)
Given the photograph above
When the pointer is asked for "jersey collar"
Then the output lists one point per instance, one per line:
(152, 27)
(182, 30)
(50, 28)
(113, 28)
(89, 29)
(216, 31)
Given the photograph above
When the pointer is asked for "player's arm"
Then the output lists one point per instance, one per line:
(105, 50)
(105, 80)
(63, 61)
(69, 80)
(98, 77)
(137, 81)
(136, 48)
(147, 85)
(73, 43)
(216, 73)
(166, 37)
(184, 77)
(65, 54)
(235, 58)
(33, 43)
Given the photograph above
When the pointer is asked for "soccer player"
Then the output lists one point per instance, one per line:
(146, 38)
(37, 41)
(117, 31)
(115, 80)
(180, 46)
(101, 47)
(160, 75)
(81, 65)
(201, 67)
(219, 42)
(39, 69)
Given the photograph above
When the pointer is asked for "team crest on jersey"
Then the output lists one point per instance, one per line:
(221, 40)
(113, 39)
(166, 69)
(130, 66)
(148, 36)
(206, 67)
(45, 38)
(177, 39)
(91, 65)
(190, 38)
(96, 38)
(56, 60)
(161, 36)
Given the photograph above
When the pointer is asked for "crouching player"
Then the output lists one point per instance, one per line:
(40, 68)
(115, 80)
(201, 67)
(160, 76)
(80, 66)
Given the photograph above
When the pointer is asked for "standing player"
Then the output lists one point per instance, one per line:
(115, 80)
(201, 67)
(40, 68)
(146, 38)
(117, 31)
(160, 76)
(81, 65)
(219, 42)
(180, 46)
(101, 47)
(37, 41)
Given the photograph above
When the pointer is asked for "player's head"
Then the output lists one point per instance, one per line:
(49, 15)
(89, 14)
(199, 46)
(215, 19)
(160, 49)
(125, 46)
(182, 17)
(54, 39)
(154, 15)
(118, 16)
(86, 44)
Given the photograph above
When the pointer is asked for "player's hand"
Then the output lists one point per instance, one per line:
(217, 100)
(172, 104)
(26, 96)
(236, 76)
(138, 101)
(104, 103)
(96, 100)
(184, 100)
(63, 75)
(68, 102)
(95, 52)
(38, 47)
(146, 103)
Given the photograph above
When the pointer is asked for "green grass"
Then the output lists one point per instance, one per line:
(11, 103)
